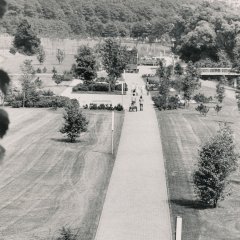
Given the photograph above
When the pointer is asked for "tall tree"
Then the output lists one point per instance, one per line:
(217, 160)
(190, 81)
(86, 64)
(25, 40)
(115, 59)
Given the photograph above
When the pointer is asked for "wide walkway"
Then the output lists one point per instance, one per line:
(136, 205)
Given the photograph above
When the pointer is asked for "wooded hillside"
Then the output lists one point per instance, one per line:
(93, 18)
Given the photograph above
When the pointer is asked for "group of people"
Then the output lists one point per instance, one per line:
(134, 100)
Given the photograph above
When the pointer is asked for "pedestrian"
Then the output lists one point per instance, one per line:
(141, 103)
(133, 99)
(147, 88)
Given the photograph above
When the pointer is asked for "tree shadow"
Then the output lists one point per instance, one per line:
(193, 204)
(65, 140)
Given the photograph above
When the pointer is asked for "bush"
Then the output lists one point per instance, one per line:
(57, 78)
(17, 104)
(44, 103)
(119, 107)
(109, 107)
(99, 87)
(39, 70)
(44, 70)
(160, 103)
(93, 106)
(67, 76)
(85, 106)
(80, 87)
(102, 107)
(173, 103)
(46, 92)
(201, 98)
(118, 87)
(13, 50)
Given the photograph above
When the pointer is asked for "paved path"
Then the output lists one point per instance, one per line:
(136, 205)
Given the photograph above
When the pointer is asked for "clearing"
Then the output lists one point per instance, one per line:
(47, 183)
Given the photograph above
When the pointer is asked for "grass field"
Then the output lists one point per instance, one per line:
(47, 183)
(182, 132)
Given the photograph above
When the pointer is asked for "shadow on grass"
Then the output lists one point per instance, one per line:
(193, 204)
(65, 140)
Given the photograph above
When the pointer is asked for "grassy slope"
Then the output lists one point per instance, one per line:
(47, 183)
(182, 132)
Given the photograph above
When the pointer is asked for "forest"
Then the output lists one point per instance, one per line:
(204, 33)
(94, 18)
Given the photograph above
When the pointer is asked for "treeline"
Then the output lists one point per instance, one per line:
(101, 18)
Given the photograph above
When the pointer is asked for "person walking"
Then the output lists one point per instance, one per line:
(133, 99)
(141, 103)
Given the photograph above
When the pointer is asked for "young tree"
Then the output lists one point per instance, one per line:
(41, 55)
(60, 56)
(86, 67)
(203, 109)
(115, 59)
(220, 90)
(190, 82)
(75, 122)
(54, 70)
(218, 108)
(25, 40)
(217, 160)
(29, 86)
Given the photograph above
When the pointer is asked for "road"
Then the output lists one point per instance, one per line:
(136, 205)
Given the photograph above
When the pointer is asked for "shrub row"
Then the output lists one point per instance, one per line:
(44, 102)
(93, 106)
(98, 87)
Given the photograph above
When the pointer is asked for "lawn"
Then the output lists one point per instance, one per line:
(182, 132)
(47, 183)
